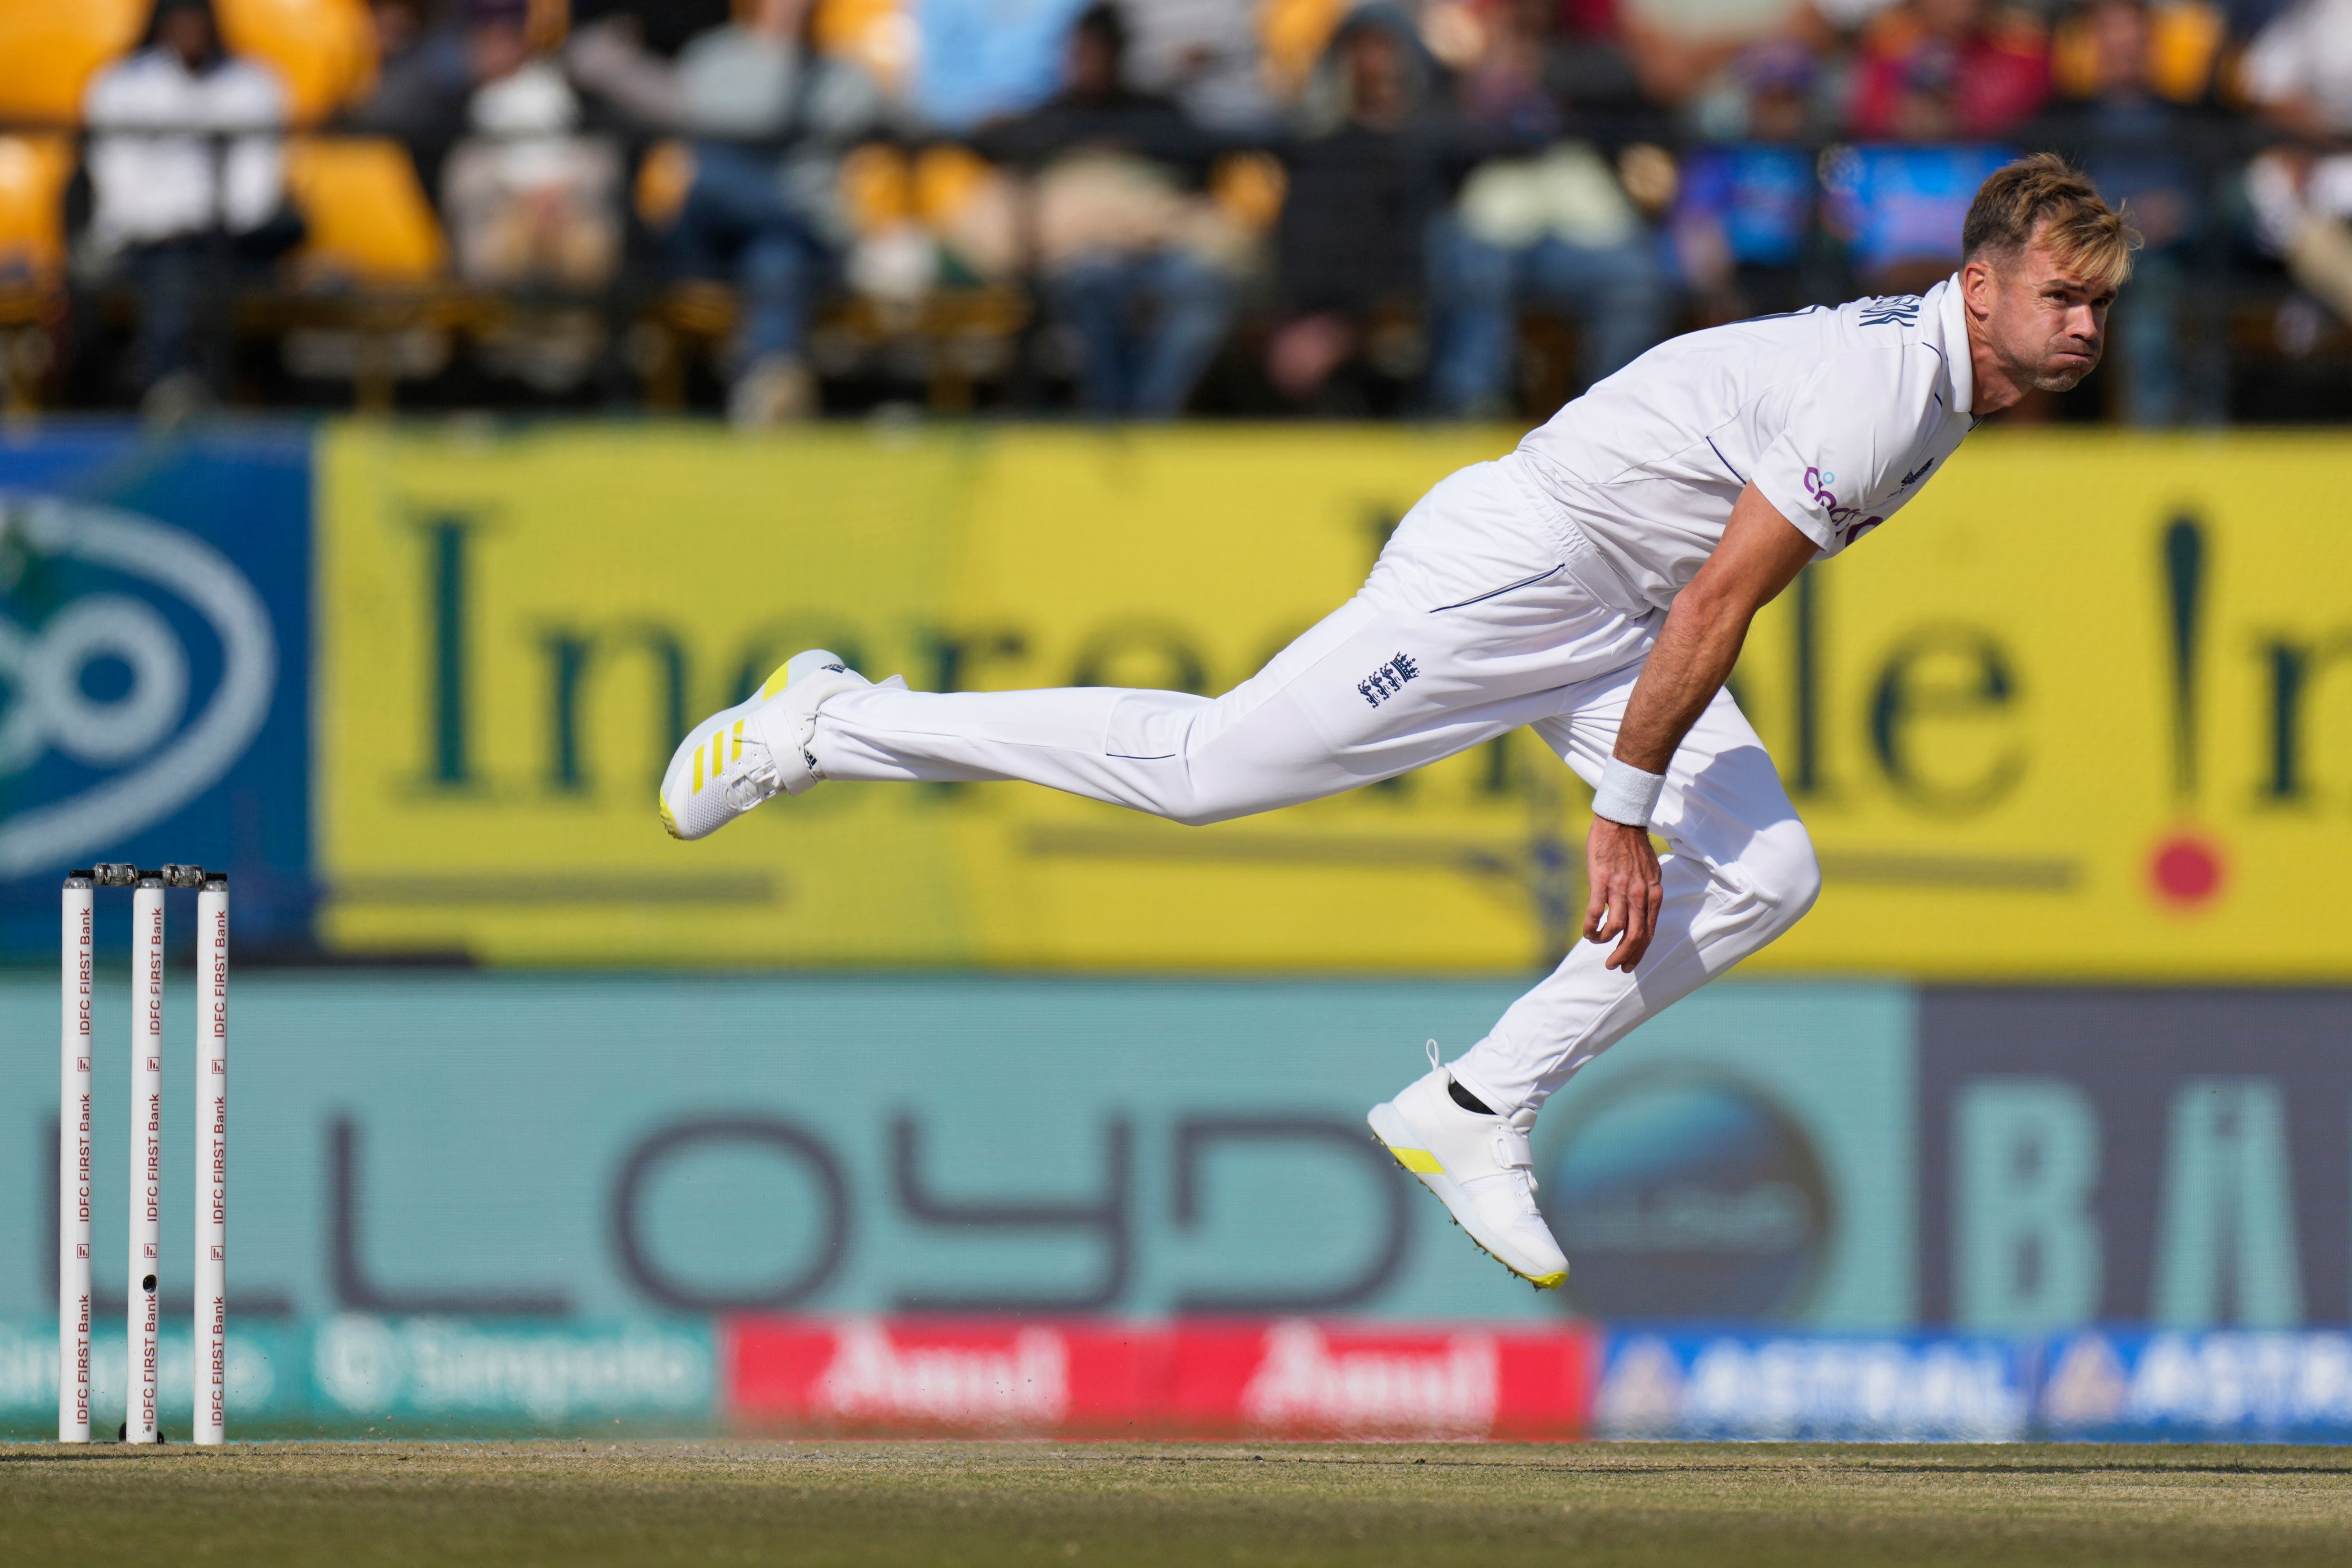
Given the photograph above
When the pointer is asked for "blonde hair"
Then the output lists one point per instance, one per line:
(2042, 197)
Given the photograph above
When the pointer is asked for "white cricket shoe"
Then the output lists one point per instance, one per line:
(1480, 1167)
(758, 749)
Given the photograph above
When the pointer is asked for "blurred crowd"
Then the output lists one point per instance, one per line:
(1445, 208)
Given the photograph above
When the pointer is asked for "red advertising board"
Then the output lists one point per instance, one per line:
(1294, 1378)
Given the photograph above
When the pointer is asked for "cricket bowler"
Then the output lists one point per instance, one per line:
(1595, 585)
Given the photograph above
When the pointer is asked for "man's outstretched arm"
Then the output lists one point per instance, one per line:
(1761, 553)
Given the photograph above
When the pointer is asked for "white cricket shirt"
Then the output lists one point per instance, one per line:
(155, 170)
(1838, 416)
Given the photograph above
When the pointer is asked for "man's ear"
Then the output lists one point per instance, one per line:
(1977, 284)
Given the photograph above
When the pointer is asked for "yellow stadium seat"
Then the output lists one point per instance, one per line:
(663, 176)
(50, 49)
(877, 187)
(1249, 188)
(2185, 38)
(948, 180)
(33, 174)
(324, 50)
(879, 34)
(369, 221)
(1293, 33)
(547, 23)
(2189, 39)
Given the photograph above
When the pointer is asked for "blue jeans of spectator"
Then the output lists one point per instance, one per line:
(1148, 326)
(737, 226)
(1618, 294)
(187, 290)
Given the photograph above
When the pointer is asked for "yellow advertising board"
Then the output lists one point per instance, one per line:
(2084, 709)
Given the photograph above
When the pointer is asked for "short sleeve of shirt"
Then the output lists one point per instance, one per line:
(1842, 463)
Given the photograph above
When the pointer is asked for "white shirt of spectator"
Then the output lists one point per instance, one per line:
(2305, 54)
(1839, 416)
(158, 166)
(529, 114)
(1205, 55)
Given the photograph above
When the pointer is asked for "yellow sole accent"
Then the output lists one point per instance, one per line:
(1423, 1161)
(669, 822)
(774, 683)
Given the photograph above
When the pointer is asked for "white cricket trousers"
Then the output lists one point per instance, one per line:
(1487, 610)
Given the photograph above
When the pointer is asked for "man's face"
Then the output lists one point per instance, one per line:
(1949, 18)
(1092, 70)
(2119, 45)
(1375, 77)
(2042, 323)
(187, 32)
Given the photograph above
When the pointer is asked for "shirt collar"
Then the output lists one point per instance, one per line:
(1952, 328)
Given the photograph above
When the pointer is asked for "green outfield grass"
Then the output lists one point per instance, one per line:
(587, 1504)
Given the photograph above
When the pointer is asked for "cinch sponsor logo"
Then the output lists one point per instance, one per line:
(1842, 518)
(1448, 1390)
(103, 683)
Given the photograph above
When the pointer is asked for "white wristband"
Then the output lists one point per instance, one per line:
(1627, 795)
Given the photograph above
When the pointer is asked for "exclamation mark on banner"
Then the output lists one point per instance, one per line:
(2187, 869)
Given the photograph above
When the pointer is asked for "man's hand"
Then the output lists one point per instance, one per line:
(1761, 553)
(1627, 891)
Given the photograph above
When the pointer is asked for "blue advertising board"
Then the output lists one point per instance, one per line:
(1750, 1384)
(154, 651)
(2172, 1157)
(2132, 1385)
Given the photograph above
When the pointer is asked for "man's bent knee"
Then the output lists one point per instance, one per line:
(1786, 872)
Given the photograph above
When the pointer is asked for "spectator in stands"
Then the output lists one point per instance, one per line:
(771, 118)
(986, 60)
(1946, 70)
(1743, 221)
(1547, 222)
(662, 28)
(1205, 55)
(1137, 262)
(1678, 47)
(2144, 150)
(768, 117)
(1370, 172)
(2299, 71)
(188, 194)
(625, 53)
(530, 201)
(1533, 79)
(424, 79)
(1934, 80)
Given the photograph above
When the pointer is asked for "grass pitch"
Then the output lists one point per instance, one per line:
(589, 1505)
